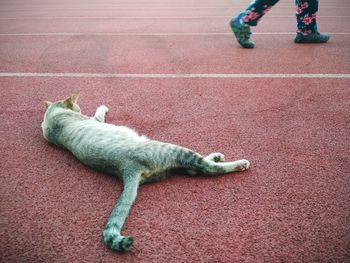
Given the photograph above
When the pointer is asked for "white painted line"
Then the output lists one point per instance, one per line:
(162, 76)
(151, 34)
(144, 17)
(293, 33)
(114, 8)
(150, 7)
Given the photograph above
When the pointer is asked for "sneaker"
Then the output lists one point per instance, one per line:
(311, 38)
(242, 32)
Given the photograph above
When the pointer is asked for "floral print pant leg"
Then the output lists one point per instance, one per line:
(257, 10)
(306, 16)
(305, 13)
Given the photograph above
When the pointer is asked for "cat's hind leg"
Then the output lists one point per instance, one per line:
(214, 157)
(101, 113)
(213, 164)
(111, 234)
(210, 167)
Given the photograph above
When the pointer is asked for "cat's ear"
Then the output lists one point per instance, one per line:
(74, 97)
(68, 103)
(47, 104)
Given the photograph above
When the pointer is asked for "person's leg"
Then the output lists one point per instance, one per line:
(240, 25)
(307, 32)
(256, 10)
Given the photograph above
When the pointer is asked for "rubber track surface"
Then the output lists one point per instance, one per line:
(291, 206)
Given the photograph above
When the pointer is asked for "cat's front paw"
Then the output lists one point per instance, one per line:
(103, 109)
(117, 242)
(126, 243)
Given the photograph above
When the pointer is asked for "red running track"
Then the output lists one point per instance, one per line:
(291, 206)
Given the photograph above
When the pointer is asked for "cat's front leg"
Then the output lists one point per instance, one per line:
(115, 241)
(111, 234)
(101, 113)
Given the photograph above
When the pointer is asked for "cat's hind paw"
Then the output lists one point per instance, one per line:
(216, 157)
(243, 165)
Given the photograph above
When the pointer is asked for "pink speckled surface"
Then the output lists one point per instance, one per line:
(291, 206)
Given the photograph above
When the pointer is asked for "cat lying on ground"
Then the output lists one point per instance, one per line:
(120, 151)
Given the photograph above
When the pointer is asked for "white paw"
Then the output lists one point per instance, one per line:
(103, 108)
(216, 157)
(243, 165)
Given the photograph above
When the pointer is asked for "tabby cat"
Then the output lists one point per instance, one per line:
(120, 151)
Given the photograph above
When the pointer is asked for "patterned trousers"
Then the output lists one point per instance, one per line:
(305, 13)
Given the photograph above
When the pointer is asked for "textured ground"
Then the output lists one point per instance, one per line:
(291, 206)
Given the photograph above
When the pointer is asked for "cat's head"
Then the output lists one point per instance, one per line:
(69, 103)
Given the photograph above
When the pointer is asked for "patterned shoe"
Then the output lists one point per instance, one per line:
(242, 32)
(311, 38)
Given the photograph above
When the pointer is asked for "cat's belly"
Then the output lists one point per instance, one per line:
(102, 146)
(103, 159)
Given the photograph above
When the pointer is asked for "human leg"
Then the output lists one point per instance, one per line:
(307, 31)
(240, 25)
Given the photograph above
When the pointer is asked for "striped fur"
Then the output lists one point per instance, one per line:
(122, 152)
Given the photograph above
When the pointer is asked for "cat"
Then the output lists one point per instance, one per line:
(121, 151)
